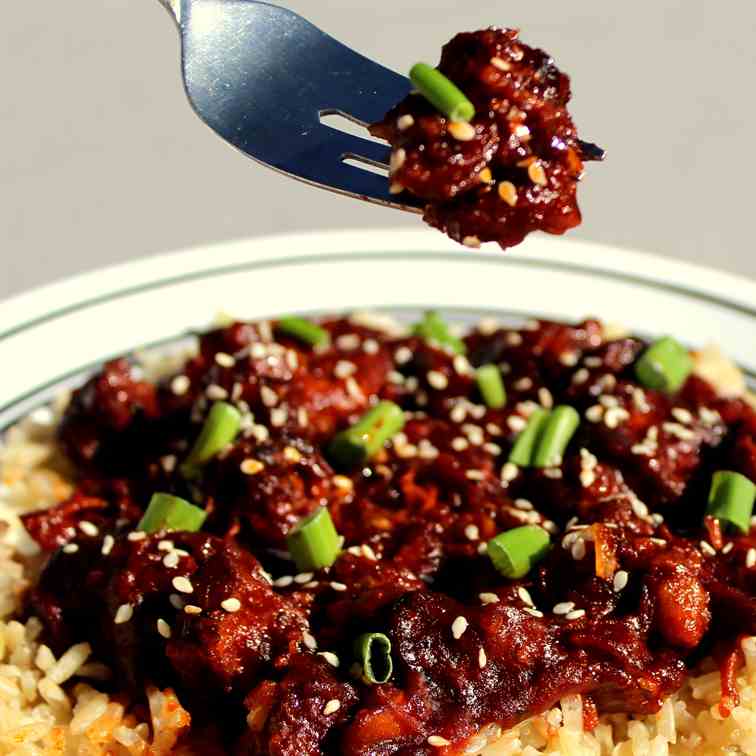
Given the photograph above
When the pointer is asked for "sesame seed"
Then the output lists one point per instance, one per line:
(402, 355)
(482, 658)
(437, 380)
(488, 598)
(523, 384)
(225, 360)
(545, 398)
(507, 192)
(123, 614)
(475, 474)
(279, 416)
(309, 640)
(438, 742)
(576, 614)
(368, 553)
(182, 584)
(639, 508)
(107, 544)
(578, 549)
(180, 385)
(397, 159)
(492, 448)
(303, 577)
(516, 423)
(331, 707)
(565, 607)
(461, 365)
(682, 415)
(472, 533)
(462, 131)
(458, 627)
(70, 548)
(88, 528)
(751, 558)
(459, 444)
(501, 64)
(509, 472)
(524, 596)
(353, 389)
(216, 392)
(513, 339)
(291, 454)
(164, 628)
(595, 413)
(532, 612)
(728, 547)
(707, 548)
(471, 241)
(536, 174)
(523, 504)
(283, 582)
(137, 535)
(371, 346)
(338, 586)
(330, 657)
(485, 176)
(171, 559)
(405, 122)
(620, 580)
(192, 609)
(614, 416)
(231, 604)
(344, 368)
(268, 396)
(580, 376)
(176, 601)
(568, 359)
(251, 466)
(343, 483)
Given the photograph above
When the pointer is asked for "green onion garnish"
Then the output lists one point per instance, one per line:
(522, 451)
(303, 330)
(560, 426)
(167, 512)
(374, 653)
(514, 552)
(366, 437)
(433, 328)
(443, 94)
(491, 386)
(313, 542)
(731, 498)
(664, 366)
(221, 426)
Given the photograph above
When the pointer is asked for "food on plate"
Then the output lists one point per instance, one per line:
(486, 141)
(349, 537)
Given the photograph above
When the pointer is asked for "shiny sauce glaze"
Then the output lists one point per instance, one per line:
(514, 168)
(638, 586)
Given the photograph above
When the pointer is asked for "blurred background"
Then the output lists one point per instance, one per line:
(102, 161)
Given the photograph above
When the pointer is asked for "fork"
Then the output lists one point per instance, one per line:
(264, 79)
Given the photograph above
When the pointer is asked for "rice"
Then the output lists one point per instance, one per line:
(47, 706)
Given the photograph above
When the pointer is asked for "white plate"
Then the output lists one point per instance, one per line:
(52, 336)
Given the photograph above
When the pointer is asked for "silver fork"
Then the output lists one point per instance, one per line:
(263, 78)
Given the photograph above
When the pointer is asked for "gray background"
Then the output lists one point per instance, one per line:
(102, 161)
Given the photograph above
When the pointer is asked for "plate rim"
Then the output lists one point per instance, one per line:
(29, 306)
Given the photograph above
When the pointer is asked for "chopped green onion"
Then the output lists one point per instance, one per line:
(515, 552)
(303, 330)
(374, 653)
(433, 328)
(167, 512)
(664, 366)
(491, 386)
(522, 451)
(561, 425)
(367, 436)
(221, 426)
(313, 542)
(443, 94)
(731, 499)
